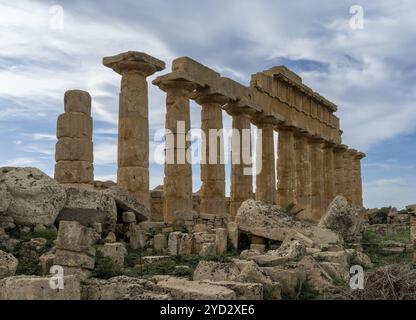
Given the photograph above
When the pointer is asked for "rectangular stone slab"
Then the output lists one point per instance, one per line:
(134, 56)
(196, 70)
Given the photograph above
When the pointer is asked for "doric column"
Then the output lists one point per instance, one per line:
(286, 166)
(241, 178)
(212, 191)
(358, 184)
(348, 174)
(317, 177)
(178, 171)
(329, 173)
(266, 171)
(303, 174)
(133, 138)
(339, 151)
(74, 150)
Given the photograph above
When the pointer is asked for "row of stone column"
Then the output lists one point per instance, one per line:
(310, 171)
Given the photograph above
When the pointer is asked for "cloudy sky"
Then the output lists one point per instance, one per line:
(48, 47)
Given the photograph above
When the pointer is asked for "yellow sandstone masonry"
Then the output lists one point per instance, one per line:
(74, 149)
(133, 145)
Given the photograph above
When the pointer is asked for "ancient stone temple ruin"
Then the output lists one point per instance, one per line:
(312, 167)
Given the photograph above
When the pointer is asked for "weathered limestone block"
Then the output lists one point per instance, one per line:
(136, 181)
(74, 172)
(88, 206)
(160, 242)
(270, 222)
(38, 288)
(74, 125)
(122, 288)
(77, 101)
(181, 289)
(286, 253)
(233, 233)
(46, 261)
(221, 238)
(126, 202)
(115, 251)
(137, 237)
(203, 237)
(291, 279)
(336, 270)
(199, 72)
(8, 265)
(174, 243)
(316, 276)
(208, 249)
(343, 218)
(251, 273)
(73, 236)
(340, 257)
(264, 220)
(74, 149)
(243, 291)
(36, 199)
(215, 271)
(74, 259)
(5, 199)
(186, 245)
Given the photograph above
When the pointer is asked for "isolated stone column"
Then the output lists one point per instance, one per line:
(348, 174)
(133, 140)
(329, 173)
(241, 181)
(358, 184)
(339, 151)
(303, 174)
(212, 191)
(74, 150)
(178, 171)
(266, 174)
(286, 166)
(317, 177)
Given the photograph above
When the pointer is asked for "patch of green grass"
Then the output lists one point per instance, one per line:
(308, 293)
(105, 268)
(373, 242)
(28, 258)
(48, 234)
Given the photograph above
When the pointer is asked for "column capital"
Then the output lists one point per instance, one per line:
(262, 119)
(207, 95)
(360, 155)
(329, 144)
(315, 139)
(341, 148)
(242, 106)
(133, 61)
(176, 81)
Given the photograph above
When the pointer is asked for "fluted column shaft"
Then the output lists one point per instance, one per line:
(303, 175)
(241, 181)
(286, 166)
(133, 131)
(178, 171)
(348, 175)
(212, 167)
(329, 173)
(317, 178)
(339, 151)
(266, 174)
